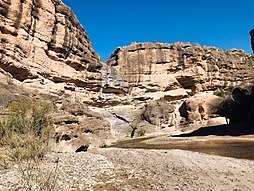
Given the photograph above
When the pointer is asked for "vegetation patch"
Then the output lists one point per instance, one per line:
(237, 107)
(24, 138)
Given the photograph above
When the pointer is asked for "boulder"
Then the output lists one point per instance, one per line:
(199, 109)
(159, 113)
(123, 120)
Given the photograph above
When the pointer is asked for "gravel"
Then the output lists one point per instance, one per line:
(136, 169)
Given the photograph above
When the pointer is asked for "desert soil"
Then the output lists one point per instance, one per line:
(141, 169)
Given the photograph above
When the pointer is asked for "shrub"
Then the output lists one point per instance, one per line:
(224, 108)
(238, 107)
(26, 130)
(141, 133)
(25, 135)
(29, 117)
(3, 128)
(219, 93)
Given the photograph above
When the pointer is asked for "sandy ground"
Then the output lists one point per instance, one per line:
(182, 170)
(140, 169)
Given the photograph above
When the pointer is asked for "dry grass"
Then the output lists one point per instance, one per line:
(25, 134)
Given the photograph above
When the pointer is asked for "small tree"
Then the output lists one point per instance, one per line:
(238, 107)
(224, 109)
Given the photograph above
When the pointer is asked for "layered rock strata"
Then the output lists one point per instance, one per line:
(142, 88)
(173, 71)
(171, 84)
(43, 45)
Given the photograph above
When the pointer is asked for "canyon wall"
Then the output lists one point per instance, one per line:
(142, 88)
(169, 87)
(179, 68)
(43, 45)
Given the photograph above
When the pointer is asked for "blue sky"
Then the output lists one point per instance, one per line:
(113, 23)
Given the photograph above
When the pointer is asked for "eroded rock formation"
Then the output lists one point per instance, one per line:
(174, 69)
(43, 42)
(142, 88)
(77, 127)
(180, 75)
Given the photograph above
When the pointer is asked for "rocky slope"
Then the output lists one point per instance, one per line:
(45, 50)
(44, 46)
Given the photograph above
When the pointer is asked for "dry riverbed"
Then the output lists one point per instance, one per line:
(141, 169)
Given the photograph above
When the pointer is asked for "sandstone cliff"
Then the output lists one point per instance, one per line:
(173, 82)
(45, 50)
(179, 68)
(142, 88)
(42, 40)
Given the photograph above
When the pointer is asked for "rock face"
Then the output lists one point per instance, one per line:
(142, 88)
(43, 42)
(173, 82)
(77, 127)
(198, 110)
(252, 39)
(44, 48)
(148, 68)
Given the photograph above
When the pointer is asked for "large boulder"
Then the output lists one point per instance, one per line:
(199, 110)
(123, 120)
(160, 113)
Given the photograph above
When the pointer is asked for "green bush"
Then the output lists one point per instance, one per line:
(141, 133)
(29, 116)
(219, 93)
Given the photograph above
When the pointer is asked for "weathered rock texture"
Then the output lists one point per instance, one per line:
(199, 110)
(42, 40)
(175, 69)
(43, 47)
(173, 82)
(77, 127)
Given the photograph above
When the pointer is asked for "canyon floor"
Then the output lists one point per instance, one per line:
(143, 169)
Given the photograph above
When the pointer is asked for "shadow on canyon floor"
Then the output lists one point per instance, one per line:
(198, 141)
(222, 130)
